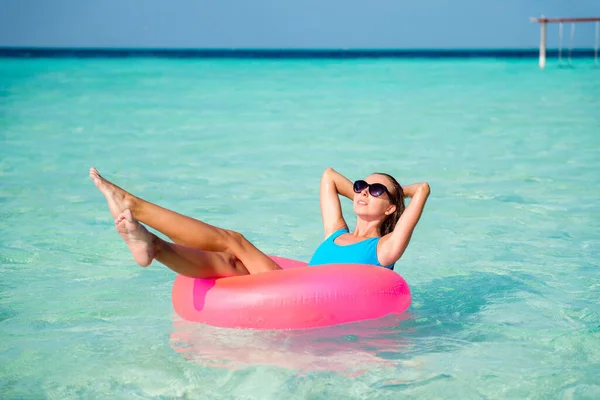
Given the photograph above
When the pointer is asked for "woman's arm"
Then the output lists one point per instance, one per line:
(411, 190)
(392, 246)
(332, 185)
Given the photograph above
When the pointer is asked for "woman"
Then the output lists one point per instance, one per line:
(200, 250)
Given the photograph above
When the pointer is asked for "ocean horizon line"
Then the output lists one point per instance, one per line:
(280, 53)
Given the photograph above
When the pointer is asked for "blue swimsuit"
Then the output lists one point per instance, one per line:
(363, 252)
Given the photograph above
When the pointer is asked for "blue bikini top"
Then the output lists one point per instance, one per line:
(363, 252)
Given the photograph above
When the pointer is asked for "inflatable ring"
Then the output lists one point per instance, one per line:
(296, 297)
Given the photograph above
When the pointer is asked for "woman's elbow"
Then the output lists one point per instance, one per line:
(328, 172)
(425, 188)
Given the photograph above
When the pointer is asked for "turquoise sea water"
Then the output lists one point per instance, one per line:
(503, 266)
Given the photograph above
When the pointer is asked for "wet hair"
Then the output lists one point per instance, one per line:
(396, 194)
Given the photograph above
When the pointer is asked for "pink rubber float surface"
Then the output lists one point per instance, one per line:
(297, 297)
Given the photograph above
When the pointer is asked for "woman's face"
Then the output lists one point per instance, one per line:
(373, 202)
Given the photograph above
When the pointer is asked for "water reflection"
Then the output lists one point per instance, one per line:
(350, 349)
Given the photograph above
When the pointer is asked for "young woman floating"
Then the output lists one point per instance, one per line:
(383, 229)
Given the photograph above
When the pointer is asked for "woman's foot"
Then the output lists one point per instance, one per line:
(137, 238)
(118, 199)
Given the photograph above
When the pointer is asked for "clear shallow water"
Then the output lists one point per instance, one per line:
(503, 266)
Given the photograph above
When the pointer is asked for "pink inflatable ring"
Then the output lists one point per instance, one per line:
(297, 297)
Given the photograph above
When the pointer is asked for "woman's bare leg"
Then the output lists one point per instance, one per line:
(184, 230)
(145, 247)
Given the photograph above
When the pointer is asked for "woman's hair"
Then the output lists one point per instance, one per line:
(396, 198)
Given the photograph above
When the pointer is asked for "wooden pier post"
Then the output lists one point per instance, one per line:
(542, 43)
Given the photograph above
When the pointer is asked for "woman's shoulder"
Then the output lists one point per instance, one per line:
(337, 233)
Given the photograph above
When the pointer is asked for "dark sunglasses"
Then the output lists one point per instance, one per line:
(375, 189)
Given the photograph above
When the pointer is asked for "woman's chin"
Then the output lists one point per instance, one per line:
(363, 212)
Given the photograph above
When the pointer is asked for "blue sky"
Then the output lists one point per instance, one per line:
(288, 23)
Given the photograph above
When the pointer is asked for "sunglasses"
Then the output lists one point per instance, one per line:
(375, 189)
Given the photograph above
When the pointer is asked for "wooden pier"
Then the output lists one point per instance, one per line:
(543, 21)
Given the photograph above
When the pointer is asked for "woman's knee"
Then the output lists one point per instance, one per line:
(244, 250)
(234, 241)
